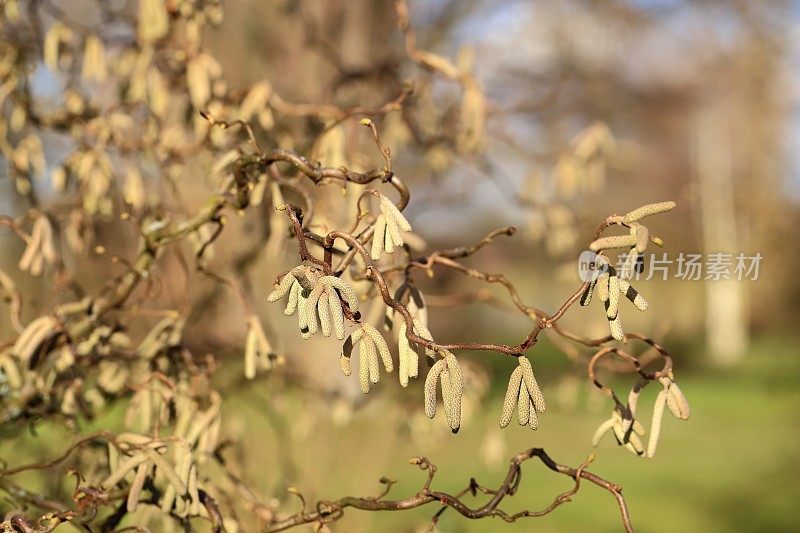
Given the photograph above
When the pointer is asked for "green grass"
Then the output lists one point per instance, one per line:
(732, 467)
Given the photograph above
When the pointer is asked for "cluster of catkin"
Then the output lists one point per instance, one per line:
(626, 428)
(317, 300)
(610, 283)
(39, 249)
(447, 373)
(370, 345)
(169, 463)
(523, 392)
(389, 228)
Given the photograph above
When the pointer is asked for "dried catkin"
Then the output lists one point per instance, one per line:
(613, 241)
(655, 424)
(511, 398)
(647, 210)
(378, 237)
(430, 387)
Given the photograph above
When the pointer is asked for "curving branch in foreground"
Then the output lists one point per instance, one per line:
(326, 511)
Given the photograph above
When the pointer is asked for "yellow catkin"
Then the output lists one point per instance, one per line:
(378, 237)
(282, 289)
(337, 315)
(632, 295)
(393, 230)
(388, 243)
(124, 467)
(616, 329)
(29, 341)
(512, 392)
(294, 296)
(602, 287)
(453, 420)
(604, 428)
(533, 422)
(344, 364)
(380, 345)
(612, 242)
(523, 405)
(347, 292)
(250, 355)
(166, 469)
(368, 348)
(363, 369)
(533, 387)
(305, 316)
(430, 387)
(677, 403)
(613, 297)
(655, 424)
(136, 487)
(390, 210)
(647, 210)
(634, 444)
(456, 381)
(323, 310)
(11, 372)
(404, 355)
(421, 330)
(642, 237)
